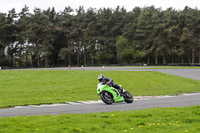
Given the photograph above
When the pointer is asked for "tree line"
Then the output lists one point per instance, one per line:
(105, 36)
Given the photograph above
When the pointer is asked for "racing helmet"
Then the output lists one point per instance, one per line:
(101, 77)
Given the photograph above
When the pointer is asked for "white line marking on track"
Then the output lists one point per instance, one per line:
(99, 101)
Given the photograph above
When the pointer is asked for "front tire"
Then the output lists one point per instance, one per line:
(128, 97)
(106, 97)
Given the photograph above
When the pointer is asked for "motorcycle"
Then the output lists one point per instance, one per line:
(111, 95)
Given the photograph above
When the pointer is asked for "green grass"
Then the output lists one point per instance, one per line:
(158, 120)
(49, 86)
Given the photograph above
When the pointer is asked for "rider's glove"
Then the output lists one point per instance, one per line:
(107, 83)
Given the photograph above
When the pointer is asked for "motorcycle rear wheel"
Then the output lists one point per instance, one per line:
(106, 97)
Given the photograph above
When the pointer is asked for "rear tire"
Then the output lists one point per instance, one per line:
(106, 97)
(128, 97)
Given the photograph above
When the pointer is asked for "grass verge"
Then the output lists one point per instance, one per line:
(51, 86)
(158, 120)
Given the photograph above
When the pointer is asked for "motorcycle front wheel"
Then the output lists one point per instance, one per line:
(128, 97)
(106, 97)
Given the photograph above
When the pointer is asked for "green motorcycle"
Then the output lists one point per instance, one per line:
(111, 95)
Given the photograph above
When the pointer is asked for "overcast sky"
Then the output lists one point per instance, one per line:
(6, 5)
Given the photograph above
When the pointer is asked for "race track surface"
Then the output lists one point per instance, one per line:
(171, 101)
(187, 73)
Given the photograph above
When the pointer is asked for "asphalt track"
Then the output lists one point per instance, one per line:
(168, 101)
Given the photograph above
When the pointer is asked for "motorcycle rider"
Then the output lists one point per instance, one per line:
(104, 80)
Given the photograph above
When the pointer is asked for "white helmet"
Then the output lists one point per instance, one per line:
(101, 77)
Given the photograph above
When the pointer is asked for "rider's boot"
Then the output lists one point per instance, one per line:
(121, 90)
